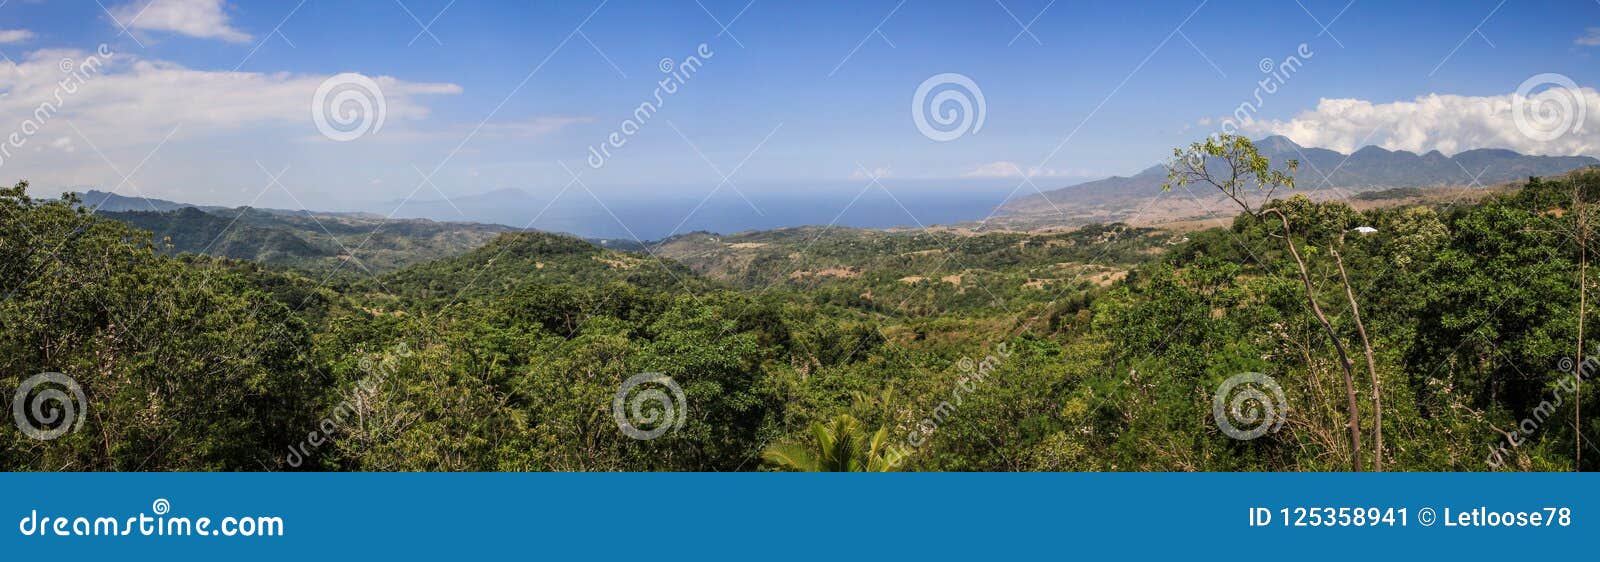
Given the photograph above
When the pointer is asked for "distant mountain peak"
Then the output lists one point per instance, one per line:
(111, 202)
(1368, 168)
(1500, 153)
(1277, 143)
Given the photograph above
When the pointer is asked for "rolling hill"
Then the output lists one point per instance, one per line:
(310, 241)
(516, 259)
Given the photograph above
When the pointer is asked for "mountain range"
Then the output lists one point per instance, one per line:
(1367, 169)
(369, 242)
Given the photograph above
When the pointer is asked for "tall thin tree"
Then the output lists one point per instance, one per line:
(1372, 365)
(1577, 360)
(1246, 169)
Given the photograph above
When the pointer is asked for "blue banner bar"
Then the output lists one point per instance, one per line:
(795, 516)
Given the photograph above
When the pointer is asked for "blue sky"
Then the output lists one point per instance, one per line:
(214, 97)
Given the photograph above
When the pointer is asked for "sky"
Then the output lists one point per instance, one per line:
(215, 101)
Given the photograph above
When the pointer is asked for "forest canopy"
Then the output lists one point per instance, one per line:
(1102, 348)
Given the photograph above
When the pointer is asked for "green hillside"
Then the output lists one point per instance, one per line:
(1093, 349)
(322, 242)
(514, 260)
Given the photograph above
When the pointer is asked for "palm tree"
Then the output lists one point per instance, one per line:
(841, 445)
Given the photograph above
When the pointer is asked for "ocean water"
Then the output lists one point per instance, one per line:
(647, 217)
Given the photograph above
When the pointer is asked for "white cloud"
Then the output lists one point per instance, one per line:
(536, 127)
(1005, 169)
(196, 18)
(1559, 121)
(211, 127)
(226, 126)
(131, 101)
(9, 36)
(1590, 39)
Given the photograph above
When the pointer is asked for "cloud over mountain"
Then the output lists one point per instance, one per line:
(1556, 121)
(1368, 168)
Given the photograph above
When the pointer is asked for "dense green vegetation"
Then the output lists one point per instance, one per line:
(920, 273)
(327, 243)
(1386, 194)
(806, 349)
